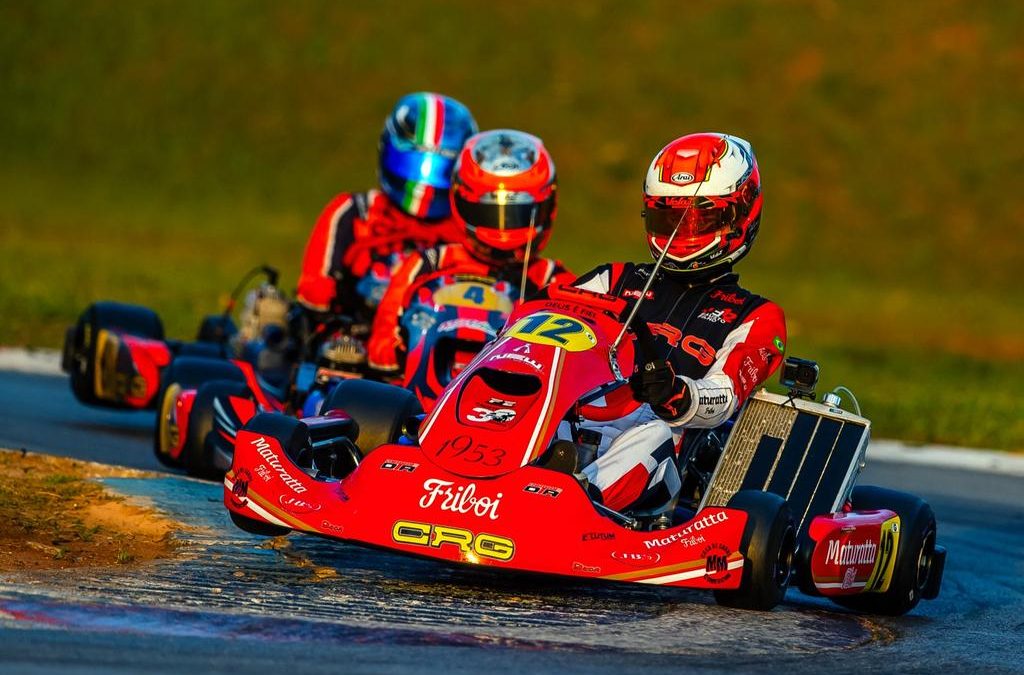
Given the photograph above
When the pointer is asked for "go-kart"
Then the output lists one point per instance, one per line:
(448, 320)
(204, 400)
(116, 353)
(483, 480)
(118, 357)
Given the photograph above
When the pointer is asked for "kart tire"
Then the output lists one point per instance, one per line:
(216, 328)
(185, 372)
(202, 441)
(768, 545)
(292, 434)
(380, 410)
(257, 527)
(915, 552)
(79, 354)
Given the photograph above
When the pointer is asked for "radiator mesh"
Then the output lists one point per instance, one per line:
(760, 418)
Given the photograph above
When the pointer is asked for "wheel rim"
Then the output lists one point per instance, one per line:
(925, 557)
(169, 433)
(784, 560)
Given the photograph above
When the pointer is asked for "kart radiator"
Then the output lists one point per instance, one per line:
(807, 452)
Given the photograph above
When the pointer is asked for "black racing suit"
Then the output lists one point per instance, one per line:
(703, 346)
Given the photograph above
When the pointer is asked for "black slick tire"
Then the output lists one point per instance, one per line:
(914, 553)
(379, 410)
(768, 544)
(185, 372)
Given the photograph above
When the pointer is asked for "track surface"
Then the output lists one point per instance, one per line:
(314, 606)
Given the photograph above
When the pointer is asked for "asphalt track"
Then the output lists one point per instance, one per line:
(235, 603)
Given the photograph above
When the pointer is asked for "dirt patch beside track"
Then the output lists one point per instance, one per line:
(54, 515)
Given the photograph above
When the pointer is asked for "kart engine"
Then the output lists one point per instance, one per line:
(264, 307)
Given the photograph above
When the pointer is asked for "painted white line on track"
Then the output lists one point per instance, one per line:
(32, 361)
(47, 362)
(947, 457)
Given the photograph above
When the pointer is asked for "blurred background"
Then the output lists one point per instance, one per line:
(152, 152)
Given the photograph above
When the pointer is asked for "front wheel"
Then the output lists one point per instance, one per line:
(380, 410)
(768, 545)
(212, 424)
(915, 553)
(257, 527)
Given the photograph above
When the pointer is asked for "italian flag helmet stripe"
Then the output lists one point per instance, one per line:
(430, 121)
(417, 198)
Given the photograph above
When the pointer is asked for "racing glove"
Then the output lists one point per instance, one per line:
(656, 383)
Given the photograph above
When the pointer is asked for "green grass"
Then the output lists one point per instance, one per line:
(154, 151)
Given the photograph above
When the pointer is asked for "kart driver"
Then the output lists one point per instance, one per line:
(360, 238)
(704, 343)
(503, 200)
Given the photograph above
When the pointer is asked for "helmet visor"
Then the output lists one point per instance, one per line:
(418, 166)
(695, 217)
(512, 216)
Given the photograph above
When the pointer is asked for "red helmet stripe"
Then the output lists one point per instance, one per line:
(438, 121)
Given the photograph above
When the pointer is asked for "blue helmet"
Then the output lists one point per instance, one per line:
(421, 140)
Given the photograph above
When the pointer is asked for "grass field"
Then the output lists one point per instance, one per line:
(154, 151)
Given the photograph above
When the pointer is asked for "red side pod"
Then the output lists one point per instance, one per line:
(244, 408)
(265, 485)
(266, 402)
(853, 552)
(148, 358)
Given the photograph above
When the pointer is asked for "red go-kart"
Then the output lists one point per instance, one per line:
(204, 391)
(117, 356)
(482, 480)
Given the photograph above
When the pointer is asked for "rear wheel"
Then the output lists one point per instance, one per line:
(290, 433)
(768, 545)
(915, 553)
(81, 344)
(379, 410)
(185, 372)
(216, 328)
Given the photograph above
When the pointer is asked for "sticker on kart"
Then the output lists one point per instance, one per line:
(555, 330)
(475, 295)
(472, 546)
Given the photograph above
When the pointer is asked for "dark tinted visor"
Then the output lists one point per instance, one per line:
(505, 216)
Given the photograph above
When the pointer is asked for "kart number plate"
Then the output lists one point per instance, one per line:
(468, 294)
(556, 330)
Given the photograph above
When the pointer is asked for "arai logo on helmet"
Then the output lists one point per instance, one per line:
(682, 177)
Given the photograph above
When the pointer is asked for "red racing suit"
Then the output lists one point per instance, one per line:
(358, 241)
(721, 342)
(385, 338)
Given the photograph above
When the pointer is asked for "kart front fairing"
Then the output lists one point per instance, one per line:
(531, 519)
(468, 492)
